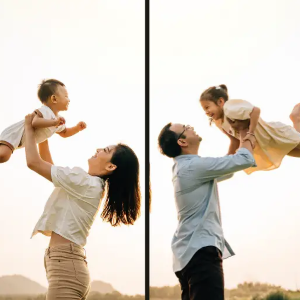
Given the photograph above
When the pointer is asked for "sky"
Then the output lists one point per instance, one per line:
(252, 47)
(96, 48)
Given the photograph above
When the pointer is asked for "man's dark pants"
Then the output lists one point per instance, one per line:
(202, 278)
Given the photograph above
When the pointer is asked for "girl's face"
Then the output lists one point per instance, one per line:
(213, 110)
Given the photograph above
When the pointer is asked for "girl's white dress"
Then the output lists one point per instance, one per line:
(14, 135)
(274, 139)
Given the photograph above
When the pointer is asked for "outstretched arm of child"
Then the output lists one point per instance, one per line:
(254, 117)
(234, 144)
(39, 122)
(73, 130)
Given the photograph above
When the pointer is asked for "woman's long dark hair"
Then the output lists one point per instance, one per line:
(123, 195)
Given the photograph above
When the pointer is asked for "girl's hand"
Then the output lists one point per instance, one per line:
(250, 138)
(81, 126)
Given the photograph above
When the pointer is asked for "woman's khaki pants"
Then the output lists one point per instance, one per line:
(67, 272)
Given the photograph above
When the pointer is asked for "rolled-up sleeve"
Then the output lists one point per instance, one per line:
(209, 168)
(74, 181)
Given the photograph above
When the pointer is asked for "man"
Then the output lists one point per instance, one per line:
(198, 244)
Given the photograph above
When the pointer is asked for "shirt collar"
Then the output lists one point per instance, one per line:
(184, 156)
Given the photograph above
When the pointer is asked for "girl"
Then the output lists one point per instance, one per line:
(72, 207)
(54, 97)
(272, 140)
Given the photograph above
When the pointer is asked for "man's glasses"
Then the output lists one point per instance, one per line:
(186, 127)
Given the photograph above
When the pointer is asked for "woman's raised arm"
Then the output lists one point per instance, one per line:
(34, 161)
(45, 152)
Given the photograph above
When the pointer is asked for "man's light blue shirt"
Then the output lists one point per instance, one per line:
(197, 201)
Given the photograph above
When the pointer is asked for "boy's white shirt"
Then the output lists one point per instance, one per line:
(15, 134)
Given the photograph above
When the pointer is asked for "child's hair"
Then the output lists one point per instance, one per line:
(47, 88)
(214, 93)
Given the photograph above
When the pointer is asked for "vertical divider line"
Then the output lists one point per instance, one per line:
(147, 157)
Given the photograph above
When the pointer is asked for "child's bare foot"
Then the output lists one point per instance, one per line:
(5, 153)
(295, 114)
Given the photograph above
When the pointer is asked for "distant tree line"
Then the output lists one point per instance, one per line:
(92, 296)
(166, 292)
(244, 291)
(275, 296)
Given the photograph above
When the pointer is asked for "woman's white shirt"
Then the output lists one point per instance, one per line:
(73, 205)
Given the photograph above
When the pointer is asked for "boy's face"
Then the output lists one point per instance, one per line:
(61, 98)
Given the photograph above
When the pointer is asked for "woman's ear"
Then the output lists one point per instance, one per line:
(110, 167)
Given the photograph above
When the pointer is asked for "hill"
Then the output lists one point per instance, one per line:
(20, 285)
(102, 287)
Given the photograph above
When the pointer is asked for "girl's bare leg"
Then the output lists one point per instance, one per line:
(295, 152)
(5, 153)
(295, 117)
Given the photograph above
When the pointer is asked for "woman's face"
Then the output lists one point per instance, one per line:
(100, 164)
(213, 110)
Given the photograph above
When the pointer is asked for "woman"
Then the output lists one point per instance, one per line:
(72, 207)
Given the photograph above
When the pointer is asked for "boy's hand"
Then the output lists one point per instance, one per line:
(81, 126)
(59, 121)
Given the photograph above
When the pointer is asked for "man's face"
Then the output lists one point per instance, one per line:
(187, 134)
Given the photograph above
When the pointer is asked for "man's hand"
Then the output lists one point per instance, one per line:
(81, 126)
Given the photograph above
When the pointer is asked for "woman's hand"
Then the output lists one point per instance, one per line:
(28, 122)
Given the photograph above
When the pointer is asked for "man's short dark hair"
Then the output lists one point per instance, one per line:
(47, 88)
(167, 142)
